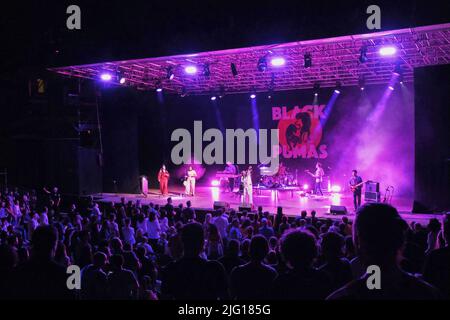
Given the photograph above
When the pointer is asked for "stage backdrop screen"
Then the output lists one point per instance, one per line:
(370, 130)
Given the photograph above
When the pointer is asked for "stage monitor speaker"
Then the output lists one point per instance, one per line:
(372, 186)
(247, 208)
(372, 196)
(221, 204)
(338, 210)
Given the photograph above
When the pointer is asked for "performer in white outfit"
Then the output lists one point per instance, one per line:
(248, 187)
(190, 185)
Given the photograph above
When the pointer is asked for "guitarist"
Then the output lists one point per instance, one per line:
(318, 176)
(356, 183)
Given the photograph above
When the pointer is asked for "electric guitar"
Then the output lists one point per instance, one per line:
(353, 188)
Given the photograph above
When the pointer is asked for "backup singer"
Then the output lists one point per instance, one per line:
(248, 187)
(356, 183)
(190, 185)
(163, 179)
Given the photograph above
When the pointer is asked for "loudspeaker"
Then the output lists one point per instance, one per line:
(221, 204)
(247, 208)
(372, 186)
(372, 196)
(338, 210)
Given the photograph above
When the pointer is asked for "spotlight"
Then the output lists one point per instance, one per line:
(316, 88)
(387, 51)
(122, 80)
(363, 54)
(277, 61)
(170, 75)
(336, 189)
(262, 64)
(106, 76)
(233, 69)
(305, 187)
(206, 71)
(213, 98)
(190, 69)
(270, 93)
(253, 96)
(215, 183)
(391, 88)
(362, 82)
(307, 60)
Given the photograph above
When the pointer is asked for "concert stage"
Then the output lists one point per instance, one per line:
(291, 202)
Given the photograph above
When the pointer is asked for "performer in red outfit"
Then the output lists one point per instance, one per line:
(163, 179)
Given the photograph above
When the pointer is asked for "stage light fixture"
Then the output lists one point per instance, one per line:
(362, 82)
(190, 69)
(183, 92)
(338, 87)
(122, 80)
(234, 71)
(159, 87)
(213, 98)
(170, 74)
(387, 51)
(398, 70)
(105, 76)
(206, 71)
(221, 92)
(253, 96)
(316, 88)
(307, 60)
(363, 54)
(262, 64)
(278, 61)
(391, 88)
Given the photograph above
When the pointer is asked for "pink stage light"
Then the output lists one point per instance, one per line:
(278, 61)
(122, 80)
(105, 76)
(215, 183)
(387, 51)
(336, 188)
(305, 187)
(391, 88)
(191, 69)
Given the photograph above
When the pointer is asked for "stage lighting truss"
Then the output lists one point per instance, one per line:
(330, 59)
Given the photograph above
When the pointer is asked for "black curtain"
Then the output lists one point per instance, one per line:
(432, 153)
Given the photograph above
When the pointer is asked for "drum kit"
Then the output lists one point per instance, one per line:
(281, 179)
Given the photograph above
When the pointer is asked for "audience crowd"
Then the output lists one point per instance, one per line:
(128, 250)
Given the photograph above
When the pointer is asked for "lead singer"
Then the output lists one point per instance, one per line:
(163, 179)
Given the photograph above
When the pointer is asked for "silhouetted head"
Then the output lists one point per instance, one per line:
(379, 233)
(192, 237)
(99, 259)
(332, 244)
(44, 241)
(259, 247)
(116, 261)
(233, 248)
(298, 248)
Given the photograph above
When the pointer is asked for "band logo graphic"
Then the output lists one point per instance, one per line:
(300, 132)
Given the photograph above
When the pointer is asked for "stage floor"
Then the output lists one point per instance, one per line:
(291, 202)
